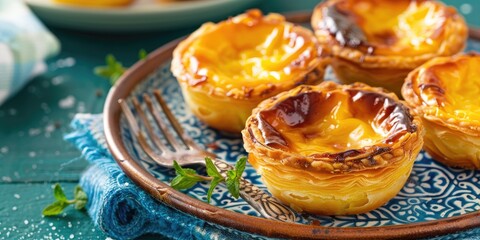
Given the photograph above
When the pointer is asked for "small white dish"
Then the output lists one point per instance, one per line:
(142, 15)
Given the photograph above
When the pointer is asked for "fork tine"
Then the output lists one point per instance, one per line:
(160, 123)
(176, 125)
(138, 134)
(148, 126)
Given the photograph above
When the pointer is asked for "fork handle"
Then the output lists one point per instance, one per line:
(269, 207)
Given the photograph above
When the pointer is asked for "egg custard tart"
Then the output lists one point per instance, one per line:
(379, 42)
(226, 69)
(333, 149)
(445, 93)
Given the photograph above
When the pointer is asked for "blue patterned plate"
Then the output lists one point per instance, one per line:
(436, 198)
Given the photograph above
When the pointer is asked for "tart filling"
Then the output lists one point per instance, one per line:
(411, 32)
(347, 149)
(445, 91)
(244, 60)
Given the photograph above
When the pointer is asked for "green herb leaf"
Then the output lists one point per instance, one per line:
(79, 201)
(55, 208)
(240, 166)
(234, 176)
(113, 70)
(213, 184)
(80, 198)
(211, 169)
(59, 194)
(183, 182)
(233, 184)
(188, 173)
(115, 76)
(102, 71)
(178, 169)
(186, 177)
(142, 54)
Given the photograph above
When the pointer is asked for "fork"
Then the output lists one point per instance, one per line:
(186, 152)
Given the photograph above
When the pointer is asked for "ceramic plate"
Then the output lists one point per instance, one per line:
(141, 15)
(435, 200)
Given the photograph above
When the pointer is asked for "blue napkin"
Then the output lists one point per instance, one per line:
(24, 44)
(120, 208)
(124, 211)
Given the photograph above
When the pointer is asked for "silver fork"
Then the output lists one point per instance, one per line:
(187, 152)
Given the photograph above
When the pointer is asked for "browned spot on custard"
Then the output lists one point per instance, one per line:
(293, 111)
(431, 86)
(271, 136)
(387, 114)
(341, 25)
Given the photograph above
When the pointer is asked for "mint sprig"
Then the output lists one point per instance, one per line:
(79, 201)
(187, 177)
(112, 71)
(114, 68)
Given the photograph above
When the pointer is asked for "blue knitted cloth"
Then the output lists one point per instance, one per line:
(120, 208)
(124, 211)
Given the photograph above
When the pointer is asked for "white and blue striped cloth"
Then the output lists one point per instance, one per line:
(24, 44)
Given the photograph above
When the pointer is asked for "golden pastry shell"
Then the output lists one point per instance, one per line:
(449, 139)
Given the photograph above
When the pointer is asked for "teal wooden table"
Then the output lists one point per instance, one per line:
(33, 155)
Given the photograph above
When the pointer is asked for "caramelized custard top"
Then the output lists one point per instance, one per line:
(449, 88)
(400, 27)
(338, 123)
(250, 50)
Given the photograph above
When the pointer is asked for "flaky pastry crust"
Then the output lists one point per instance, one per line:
(226, 69)
(412, 32)
(333, 149)
(445, 93)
